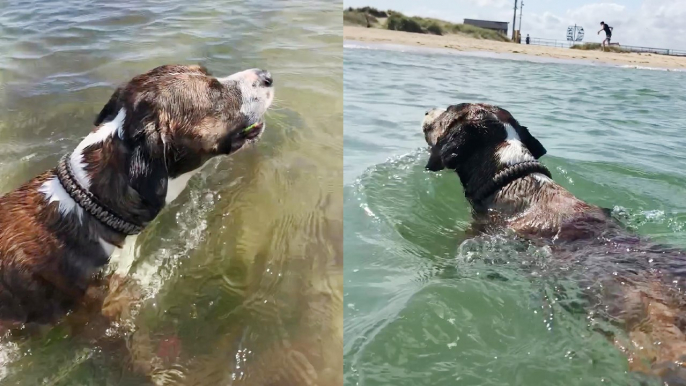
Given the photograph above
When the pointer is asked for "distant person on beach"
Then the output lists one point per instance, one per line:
(527, 39)
(608, 33)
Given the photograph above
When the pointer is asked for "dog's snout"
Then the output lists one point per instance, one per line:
(255, 77)
(430, 116)
(265, 78)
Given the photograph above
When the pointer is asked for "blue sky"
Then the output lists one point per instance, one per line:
(652, 23)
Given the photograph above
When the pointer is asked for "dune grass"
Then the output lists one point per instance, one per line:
(371, 11)
(597, 47)
(478, 32)
(397, 21)
(358, 18)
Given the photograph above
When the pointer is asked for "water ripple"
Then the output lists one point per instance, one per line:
(426, 305)
(244, 275)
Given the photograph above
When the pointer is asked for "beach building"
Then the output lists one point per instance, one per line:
(498, 26)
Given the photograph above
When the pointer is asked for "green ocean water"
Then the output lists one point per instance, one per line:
(422, 307)
(242, 275)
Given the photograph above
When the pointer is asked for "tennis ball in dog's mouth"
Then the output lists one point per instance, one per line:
(247, 129)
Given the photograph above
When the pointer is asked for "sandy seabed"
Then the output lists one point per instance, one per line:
(466, 43)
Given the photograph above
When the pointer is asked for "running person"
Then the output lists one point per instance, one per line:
(608, 33)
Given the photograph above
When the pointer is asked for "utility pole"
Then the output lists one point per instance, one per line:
(521, 10)
(514, 21)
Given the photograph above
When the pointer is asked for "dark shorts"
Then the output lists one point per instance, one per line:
(608, 37)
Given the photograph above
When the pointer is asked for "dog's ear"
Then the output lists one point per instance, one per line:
(435, 163)
(110, 110)
(531, 143)
(452, 148)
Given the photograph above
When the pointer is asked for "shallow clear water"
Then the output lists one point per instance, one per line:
(243, 273)
(424, 308)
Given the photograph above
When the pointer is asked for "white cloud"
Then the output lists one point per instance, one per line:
(493, 3)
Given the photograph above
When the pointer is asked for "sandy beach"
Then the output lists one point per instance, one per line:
(465, 43)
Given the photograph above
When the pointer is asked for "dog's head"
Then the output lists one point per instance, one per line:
(459, 134)
(185, 116)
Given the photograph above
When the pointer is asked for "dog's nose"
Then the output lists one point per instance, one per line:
(265, 78)
(426, 112)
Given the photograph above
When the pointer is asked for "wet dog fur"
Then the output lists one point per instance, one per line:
(154, 133)
(630, 281)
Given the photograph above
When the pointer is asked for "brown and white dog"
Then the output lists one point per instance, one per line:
(630, 282)
(58, 230)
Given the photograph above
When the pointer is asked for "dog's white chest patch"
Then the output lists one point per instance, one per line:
(514, 151)
(103, 133)
(107, 247)
(53, 191)
(121, 259)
